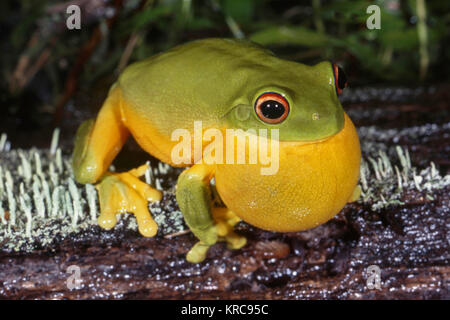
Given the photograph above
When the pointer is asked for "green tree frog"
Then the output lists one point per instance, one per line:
(225, 84)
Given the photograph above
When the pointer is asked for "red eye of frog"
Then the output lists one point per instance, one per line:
(340, 79)
(272, 107)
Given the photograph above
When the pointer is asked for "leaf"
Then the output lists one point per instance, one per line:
(240, 10)
(347, 10)
(143, 18)
(290, 36)
(400, 39)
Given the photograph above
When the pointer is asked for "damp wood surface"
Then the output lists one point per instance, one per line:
(409, 243)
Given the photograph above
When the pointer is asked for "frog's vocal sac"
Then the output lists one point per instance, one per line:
(225, 84)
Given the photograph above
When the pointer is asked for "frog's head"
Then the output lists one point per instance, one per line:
(301, 101)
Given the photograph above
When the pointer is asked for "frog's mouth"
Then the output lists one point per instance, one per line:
(312, 141)
(289, 142)
(301, 128)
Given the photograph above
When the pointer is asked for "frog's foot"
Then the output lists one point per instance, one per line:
(356, 194)
(225, 220)
(124, 192)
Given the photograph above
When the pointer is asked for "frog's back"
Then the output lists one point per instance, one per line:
(195, 81)
(191, 82)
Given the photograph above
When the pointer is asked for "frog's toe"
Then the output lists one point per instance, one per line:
(198, 252)
(107, 220)
(84, 166)
(225, 221)
(222, 230)
(209, 236)
(356, 194)
(124, 192)
(146, 225)
(235, 241)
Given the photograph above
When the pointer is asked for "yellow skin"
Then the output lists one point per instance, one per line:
(221, 82)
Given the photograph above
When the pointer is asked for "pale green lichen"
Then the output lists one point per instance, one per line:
(383, 184)
(33, 195)
(39, 198)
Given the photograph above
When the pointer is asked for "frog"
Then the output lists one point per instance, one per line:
(225, 84)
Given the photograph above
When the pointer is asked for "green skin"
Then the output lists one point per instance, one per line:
(209, 79)
(218, 81)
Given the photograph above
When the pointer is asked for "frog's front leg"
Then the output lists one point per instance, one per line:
(96, 145)
(124, 192)
(209, 224)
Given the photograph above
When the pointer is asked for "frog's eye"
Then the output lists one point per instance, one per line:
(340, 79)
(272, 107)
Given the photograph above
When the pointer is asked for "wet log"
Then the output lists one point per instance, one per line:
(410, 247)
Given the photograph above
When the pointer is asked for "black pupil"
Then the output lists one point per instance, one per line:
(341, 79)
(272, 109)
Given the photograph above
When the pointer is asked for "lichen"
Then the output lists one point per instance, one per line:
(41, 202)
(383, 184)
(387, 175)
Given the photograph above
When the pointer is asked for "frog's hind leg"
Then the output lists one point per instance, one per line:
(208, 223)
(224, 220)
(98, 141)
(96, 145)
